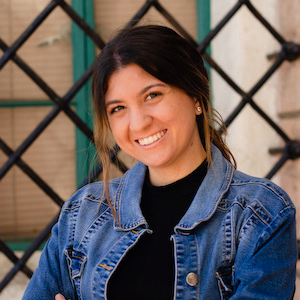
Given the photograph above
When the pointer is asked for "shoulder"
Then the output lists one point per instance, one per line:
(263, 213)
(92, 196)
(92, 193)
(258, 198)
(259, 188)
(84, 211)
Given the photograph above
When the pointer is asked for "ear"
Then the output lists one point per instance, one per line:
(197, 107)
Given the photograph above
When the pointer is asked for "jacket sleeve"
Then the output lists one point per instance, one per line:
(265, 267)
(52, 275)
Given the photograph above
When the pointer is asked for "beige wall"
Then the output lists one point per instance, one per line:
(25, 209)
(111, 16)
(53, 61)
(288, 106)
(241, 49)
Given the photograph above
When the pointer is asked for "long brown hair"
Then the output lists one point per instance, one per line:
(164, 54)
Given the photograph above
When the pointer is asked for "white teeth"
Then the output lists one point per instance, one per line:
(151, 139)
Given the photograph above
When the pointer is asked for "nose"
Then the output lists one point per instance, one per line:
(139, 120)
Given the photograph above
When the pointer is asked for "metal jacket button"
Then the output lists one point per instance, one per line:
(192, 279)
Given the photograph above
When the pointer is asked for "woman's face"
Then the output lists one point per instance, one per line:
(154, 123)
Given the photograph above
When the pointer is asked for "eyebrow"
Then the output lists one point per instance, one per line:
(144, 90)
(112, 102)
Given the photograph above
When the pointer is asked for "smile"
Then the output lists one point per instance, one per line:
(151, 139)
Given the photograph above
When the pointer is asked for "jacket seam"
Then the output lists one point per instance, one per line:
(265, 185)
(269, 226)
(93, 227)
(118, 194)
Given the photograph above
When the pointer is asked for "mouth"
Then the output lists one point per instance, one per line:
(151, 139)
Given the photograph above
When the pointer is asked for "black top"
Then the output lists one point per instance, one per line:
(147, 271)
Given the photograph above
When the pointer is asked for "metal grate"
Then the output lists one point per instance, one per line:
(289, 51)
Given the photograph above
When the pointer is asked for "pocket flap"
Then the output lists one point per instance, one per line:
(76, 261)
(225, 278)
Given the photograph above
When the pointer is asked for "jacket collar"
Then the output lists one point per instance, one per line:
(214, 186)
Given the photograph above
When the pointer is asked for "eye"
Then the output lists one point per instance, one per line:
(116, 109)
(152, 95)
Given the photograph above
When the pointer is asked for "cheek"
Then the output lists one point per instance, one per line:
(114, 129)
(118, 131)
(179, 115)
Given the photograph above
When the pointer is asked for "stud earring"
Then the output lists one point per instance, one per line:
(199, 109)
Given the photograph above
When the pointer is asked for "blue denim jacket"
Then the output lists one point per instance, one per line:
(236, 241)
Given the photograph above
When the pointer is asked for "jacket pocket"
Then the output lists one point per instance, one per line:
(76, 263)
(225, 281)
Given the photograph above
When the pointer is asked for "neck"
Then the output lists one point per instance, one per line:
(170, 174)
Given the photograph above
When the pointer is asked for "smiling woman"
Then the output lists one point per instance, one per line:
(182, 223)
(147, 124)
(165, 60)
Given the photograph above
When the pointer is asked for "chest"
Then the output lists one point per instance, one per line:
(198, 257)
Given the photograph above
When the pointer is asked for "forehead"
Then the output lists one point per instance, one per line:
(129, 79)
